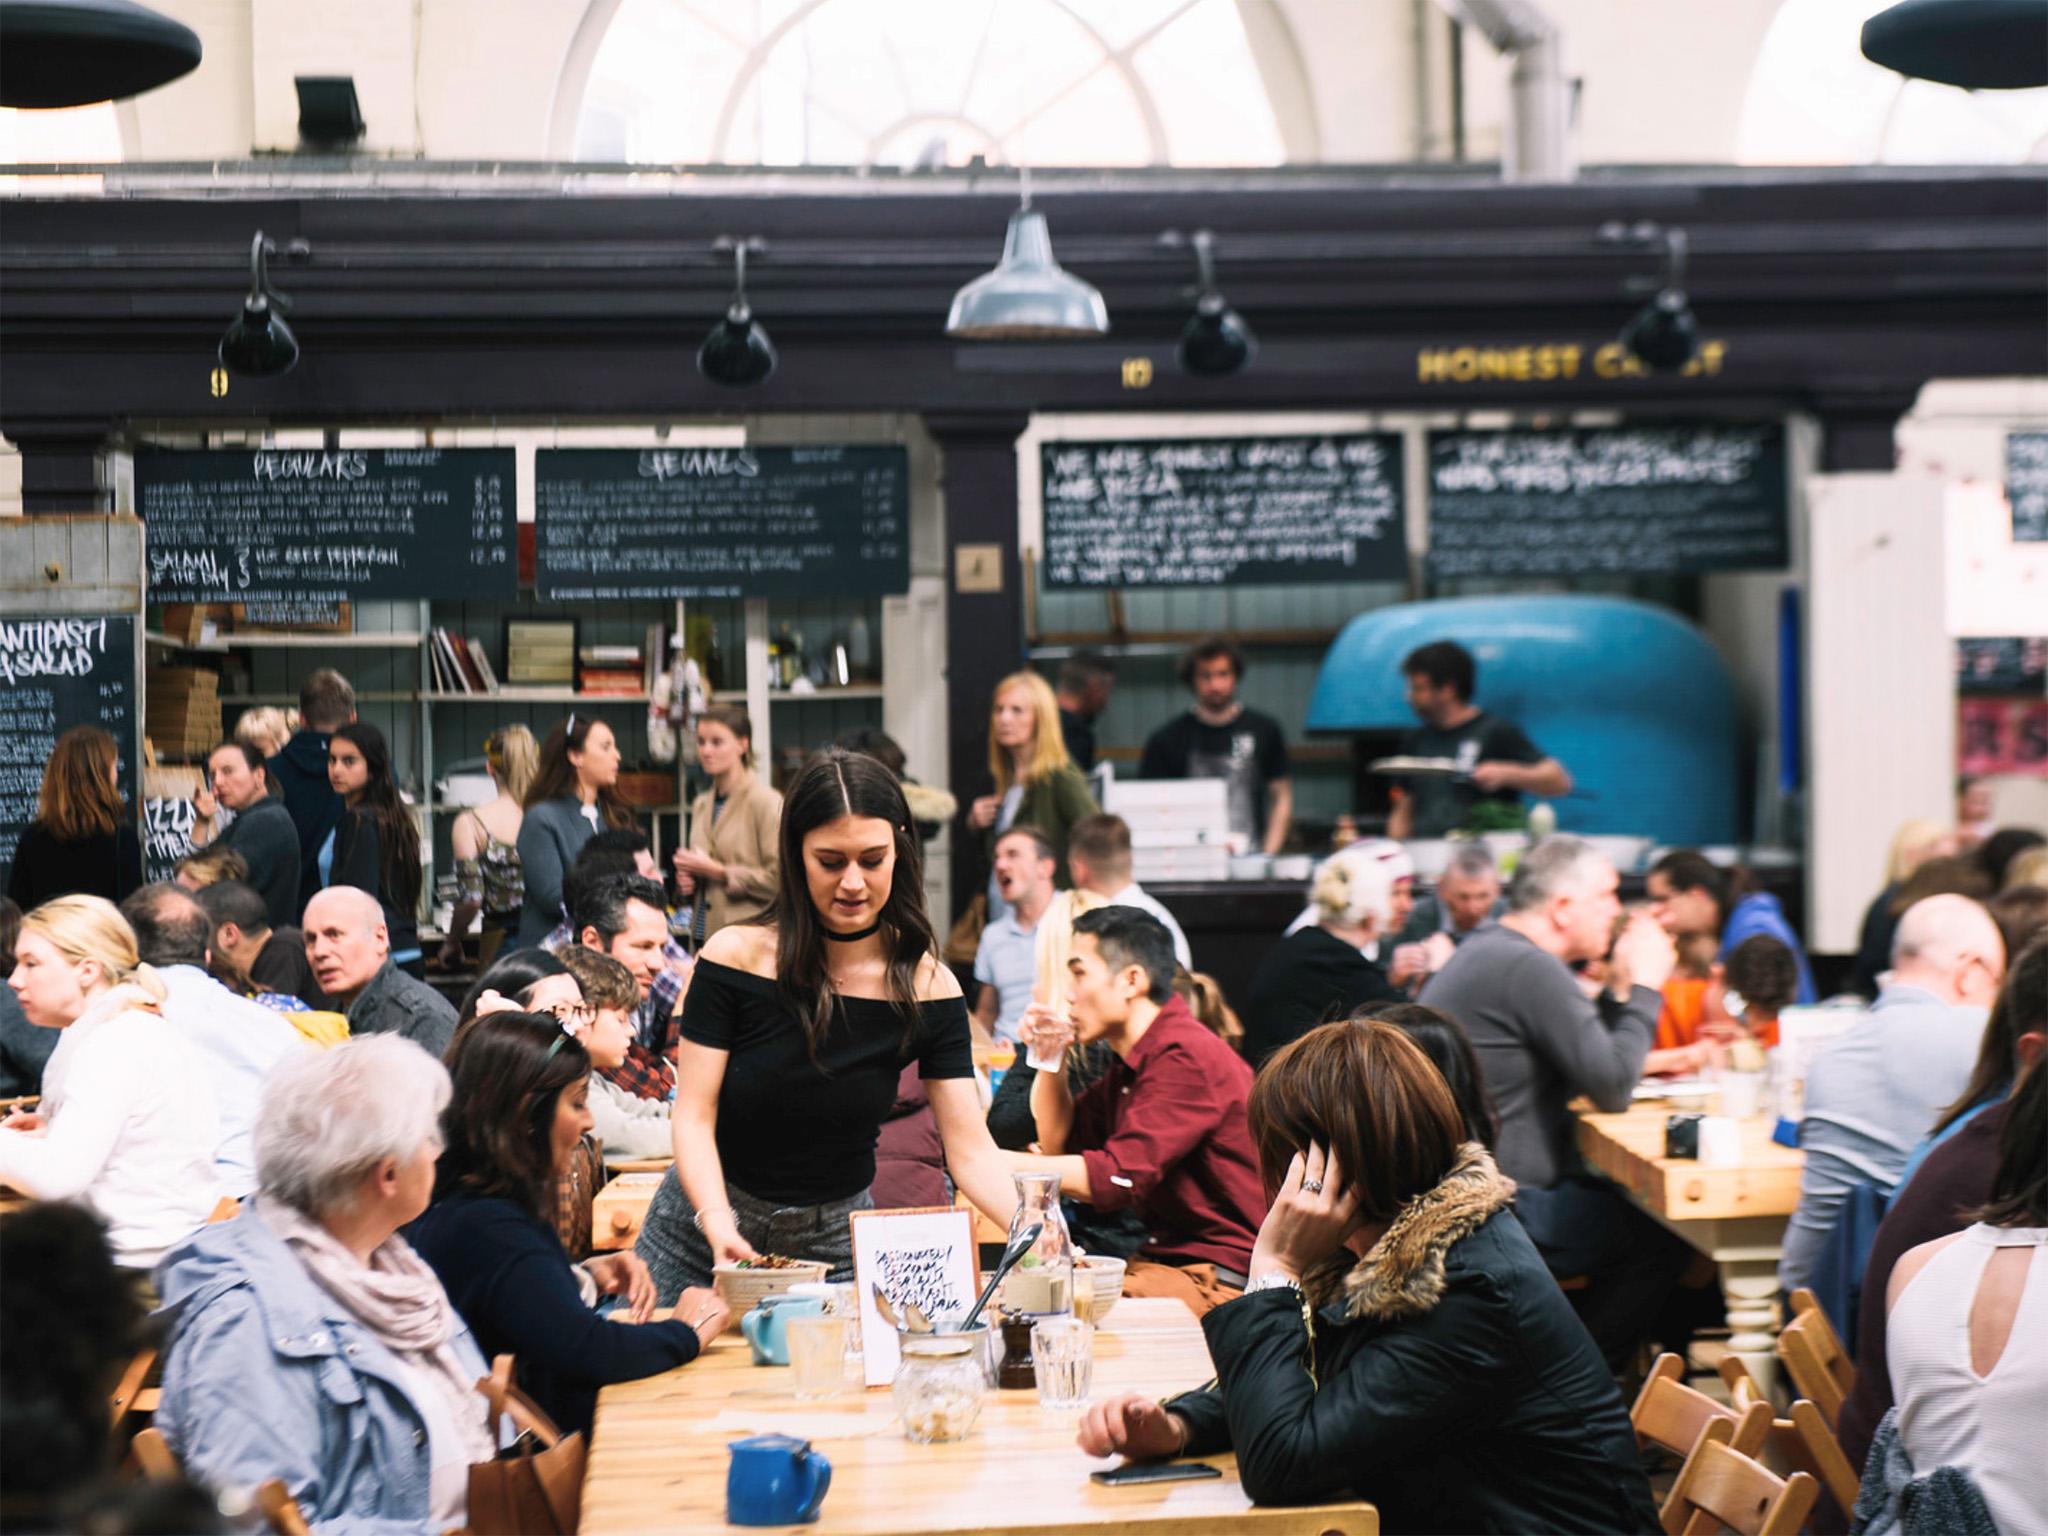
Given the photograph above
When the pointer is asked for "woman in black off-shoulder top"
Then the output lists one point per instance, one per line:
(794, 1033)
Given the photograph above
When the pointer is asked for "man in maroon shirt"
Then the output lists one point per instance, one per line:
(1163, 1130)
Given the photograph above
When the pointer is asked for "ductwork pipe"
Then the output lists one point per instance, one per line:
(1539, 144)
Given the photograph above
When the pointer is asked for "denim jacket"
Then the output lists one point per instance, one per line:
(267, 1375)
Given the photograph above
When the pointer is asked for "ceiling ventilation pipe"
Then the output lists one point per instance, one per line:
(1538, 144)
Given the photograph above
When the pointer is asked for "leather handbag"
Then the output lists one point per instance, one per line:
(534, 1487)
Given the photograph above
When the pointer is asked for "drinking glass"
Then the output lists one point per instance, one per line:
(1063, 1350)
(817, 1354)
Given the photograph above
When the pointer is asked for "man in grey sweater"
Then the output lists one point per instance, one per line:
(1543, 1037)
(1873, 1093)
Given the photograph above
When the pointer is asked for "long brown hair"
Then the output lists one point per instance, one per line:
(557, 777)
(398, 837)
(1367, 1092)
(2021, 1008)
(498, 1130)
(81, 794)
(2019, 1189)
(836, 783)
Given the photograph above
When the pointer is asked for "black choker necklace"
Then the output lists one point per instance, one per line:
(855, 937)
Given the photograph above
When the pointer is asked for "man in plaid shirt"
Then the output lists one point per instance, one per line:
(622, 851)
(623, 916)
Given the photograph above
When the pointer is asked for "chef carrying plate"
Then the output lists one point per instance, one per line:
(1471, 755)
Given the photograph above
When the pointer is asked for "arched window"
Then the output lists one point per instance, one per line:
(1815, 100)
(929, 83)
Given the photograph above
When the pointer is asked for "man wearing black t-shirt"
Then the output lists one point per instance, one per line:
(1220, 739)
(1495, 760)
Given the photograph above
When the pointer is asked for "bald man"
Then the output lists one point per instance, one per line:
(349, 949)
(1875, 1091)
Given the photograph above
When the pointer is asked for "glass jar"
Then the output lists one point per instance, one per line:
(939, 1384)
(1042, 1284)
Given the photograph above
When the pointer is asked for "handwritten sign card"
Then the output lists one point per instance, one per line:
(925, 1255)
(56, 672)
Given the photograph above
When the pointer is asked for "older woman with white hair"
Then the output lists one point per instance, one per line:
(1328, 965)
(127, 1122)
(308, 1341)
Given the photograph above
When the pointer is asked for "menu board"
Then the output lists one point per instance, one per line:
(169, 817)
(615, 523)
(60, 672)
(1209, 512)
(2026, 485)
(323, 526)
(1672, 499)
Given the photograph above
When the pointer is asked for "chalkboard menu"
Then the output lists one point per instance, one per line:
(1670, 499)
(322, 526)
(2012, 665)
(721, 522)
(60, 672)
(1207, 512)
(2026, 485)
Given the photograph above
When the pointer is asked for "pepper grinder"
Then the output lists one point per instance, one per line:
(1018, 1369)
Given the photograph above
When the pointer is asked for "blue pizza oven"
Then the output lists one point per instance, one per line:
(1632, 699)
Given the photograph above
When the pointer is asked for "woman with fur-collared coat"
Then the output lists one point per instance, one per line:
(1400, 1340)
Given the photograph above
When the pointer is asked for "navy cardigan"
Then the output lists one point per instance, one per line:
(508, 1277)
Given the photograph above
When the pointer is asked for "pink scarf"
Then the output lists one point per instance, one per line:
(399, 1300)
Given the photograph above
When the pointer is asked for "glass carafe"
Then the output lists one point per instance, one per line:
(1042, 1283)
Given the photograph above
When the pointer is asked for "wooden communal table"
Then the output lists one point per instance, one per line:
(658, 1456)
(1735, 1215)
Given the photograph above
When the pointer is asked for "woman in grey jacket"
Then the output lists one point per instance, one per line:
(573, 798)
(308, 1341)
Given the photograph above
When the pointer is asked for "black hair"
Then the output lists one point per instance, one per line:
(1083, 668)
(614, 851)
(1687, 869)
(1444, 1041)
(1133, 936)
(1445, 663)
(1209, 650)
(234, 901)
(10, 930)
(555, 779)
(398, 837)
(68, 1321)
(510, 974)
(1764, 972)
(250, 755)
(833, 784)
(171, 927)
(601, 904)
(1996, 853)
(878, 744)
(508, 1070)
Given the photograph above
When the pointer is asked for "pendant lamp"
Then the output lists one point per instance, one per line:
(71, 53)
(1029, 295)
(738, 352)
(259, 345)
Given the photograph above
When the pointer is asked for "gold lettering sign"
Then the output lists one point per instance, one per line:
(1545, 363)
(1137, 373)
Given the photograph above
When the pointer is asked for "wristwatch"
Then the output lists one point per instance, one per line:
(1274, 1282)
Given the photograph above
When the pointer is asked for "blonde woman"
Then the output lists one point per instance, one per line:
(1037, 784)
(733, 857)
(83, 840)
(127, 1122)
(1328, 968)
(488, 877)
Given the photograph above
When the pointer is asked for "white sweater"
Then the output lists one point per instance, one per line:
(130, 1129)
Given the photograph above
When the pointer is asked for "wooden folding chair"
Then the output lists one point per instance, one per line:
(132, 1394)
(1669, 1413)
(1720, 1488)
(153, 1454)
(281, 1512)
(1800, 1442)
(1812, 1352)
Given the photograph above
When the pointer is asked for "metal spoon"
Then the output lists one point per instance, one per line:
(1019, 1245)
